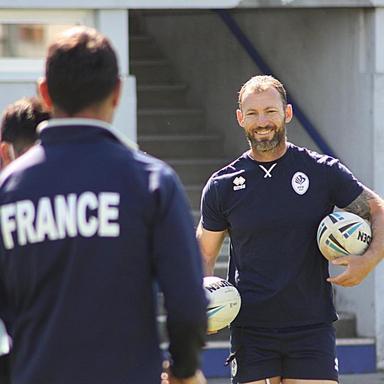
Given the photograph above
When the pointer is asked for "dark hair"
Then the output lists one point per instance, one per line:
(261, 83)
(81, 69)
(19, 122)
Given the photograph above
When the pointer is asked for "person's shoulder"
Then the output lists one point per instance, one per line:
(312, 156)
(156, 172)
(28, 160)
(231, 169)
(151, 163)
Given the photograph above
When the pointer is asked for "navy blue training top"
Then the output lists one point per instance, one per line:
(272, 211)
(87, 228)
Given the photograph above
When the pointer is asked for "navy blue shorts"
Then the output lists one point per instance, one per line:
(307, 353)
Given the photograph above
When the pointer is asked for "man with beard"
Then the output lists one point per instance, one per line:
(270, 202)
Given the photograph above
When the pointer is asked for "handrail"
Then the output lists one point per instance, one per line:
(234, 27)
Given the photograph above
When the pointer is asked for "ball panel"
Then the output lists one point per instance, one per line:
(343, 233)
(224, 302)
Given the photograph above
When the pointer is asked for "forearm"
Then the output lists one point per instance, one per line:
(369, 206)
(210, 244)
(197, 378)
(185, 345)
(375, 251)
(168, 378)
(209, 265)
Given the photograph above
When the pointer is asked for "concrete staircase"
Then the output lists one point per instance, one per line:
(172, 128)
(169, 126)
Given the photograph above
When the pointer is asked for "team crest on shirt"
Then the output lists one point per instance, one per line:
(300, 183)
(239, 183)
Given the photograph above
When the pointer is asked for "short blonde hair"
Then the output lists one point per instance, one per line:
(261, 83)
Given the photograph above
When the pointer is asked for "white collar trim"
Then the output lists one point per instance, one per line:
(91, 122)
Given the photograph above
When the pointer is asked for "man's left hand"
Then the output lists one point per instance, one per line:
(358, 268)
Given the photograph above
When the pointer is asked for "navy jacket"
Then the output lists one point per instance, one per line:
(89, 230)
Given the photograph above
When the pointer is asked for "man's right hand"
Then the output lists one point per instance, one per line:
(168, 378)
(197, 378)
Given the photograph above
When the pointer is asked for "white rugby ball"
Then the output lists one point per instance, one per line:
(343, 233)
(224, 302)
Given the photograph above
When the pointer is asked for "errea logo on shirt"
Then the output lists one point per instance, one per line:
(239, 183)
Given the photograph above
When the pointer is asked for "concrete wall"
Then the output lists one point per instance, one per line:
(378, 166)
(324, 57)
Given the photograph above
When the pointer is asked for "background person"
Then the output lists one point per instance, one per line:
(17, 135)
(270, 202)
(89, 225)
(18, 127)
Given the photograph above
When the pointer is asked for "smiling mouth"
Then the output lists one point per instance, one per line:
(263, 132)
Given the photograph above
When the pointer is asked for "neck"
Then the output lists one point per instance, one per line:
(99, 113)
(272, 155)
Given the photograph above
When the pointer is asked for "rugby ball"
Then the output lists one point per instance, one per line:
(224, 302)
(343, 233)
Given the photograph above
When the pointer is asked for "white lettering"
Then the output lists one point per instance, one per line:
(87, 202)
(25, 214)
(65, 210)
(108, 211)
(45, 222)
(60, 217)
(8, 224)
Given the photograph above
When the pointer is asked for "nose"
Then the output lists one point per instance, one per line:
(262, 120)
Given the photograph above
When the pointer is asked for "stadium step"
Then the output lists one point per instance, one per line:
(143, 47)
(194, 194)
(180, 146)
(153, 71)
(180, 121)
(346, 325)
(162, 95)
(194, 170)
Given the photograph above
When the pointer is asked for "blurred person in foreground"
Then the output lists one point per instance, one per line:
(90, 226)
(17, 134)
(270, 202)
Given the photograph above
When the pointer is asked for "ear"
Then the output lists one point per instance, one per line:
(44, 94)
(240, 117)
(288, 113)
(6, 153)
(116, 95)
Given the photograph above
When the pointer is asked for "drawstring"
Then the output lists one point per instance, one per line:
(267, 174)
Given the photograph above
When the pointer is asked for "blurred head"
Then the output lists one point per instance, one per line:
(81, 73)
(18, 127)
(263, 112)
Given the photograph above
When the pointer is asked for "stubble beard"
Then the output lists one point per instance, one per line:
(267, 144)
